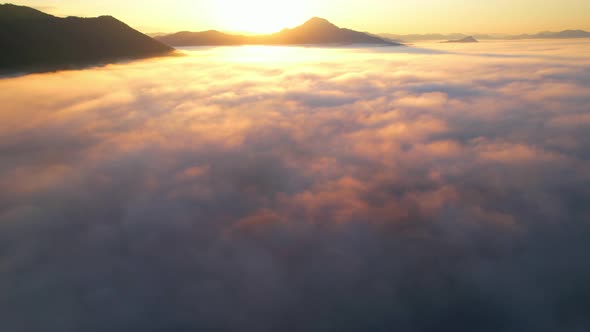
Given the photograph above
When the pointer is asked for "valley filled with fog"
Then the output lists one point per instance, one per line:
(265, 188)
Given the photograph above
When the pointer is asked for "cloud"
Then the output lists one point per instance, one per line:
(366, 191)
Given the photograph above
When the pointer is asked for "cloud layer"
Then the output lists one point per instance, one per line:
(287, 189)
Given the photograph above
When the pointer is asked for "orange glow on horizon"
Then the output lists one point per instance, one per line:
(259, 16)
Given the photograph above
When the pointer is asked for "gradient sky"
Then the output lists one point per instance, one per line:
(417, 16)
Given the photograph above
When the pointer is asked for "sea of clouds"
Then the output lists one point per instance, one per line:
(435, 188)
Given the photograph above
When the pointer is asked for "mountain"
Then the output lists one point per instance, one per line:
(316, 31)
(13, 12)
(457, 36)
(469, 39)
(204, 38)
(572, 34)
(566, 34)
(320, 31)
(436, 37)
(35, 41)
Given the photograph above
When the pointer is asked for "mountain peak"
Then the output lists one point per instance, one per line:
(318, 22)
(316, 31)
(35, 41)
(14, 12)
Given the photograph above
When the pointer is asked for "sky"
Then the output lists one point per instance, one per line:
(377, 16)
(301, 189)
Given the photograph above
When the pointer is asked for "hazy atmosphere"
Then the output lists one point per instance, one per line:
(376, 16)
(313, 179)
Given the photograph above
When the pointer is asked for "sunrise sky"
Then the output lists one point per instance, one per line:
(379, 16)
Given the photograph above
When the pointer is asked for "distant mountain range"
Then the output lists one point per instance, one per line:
(566, 34)
(316, 31)
(31, 40)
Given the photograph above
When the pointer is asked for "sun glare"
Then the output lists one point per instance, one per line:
(259, 16)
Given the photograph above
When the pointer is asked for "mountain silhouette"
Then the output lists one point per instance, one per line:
(433, 37)
(14, 12)
(566, 34)
(469, 39)
(204, 38)
(316, 31)
(35, 41)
